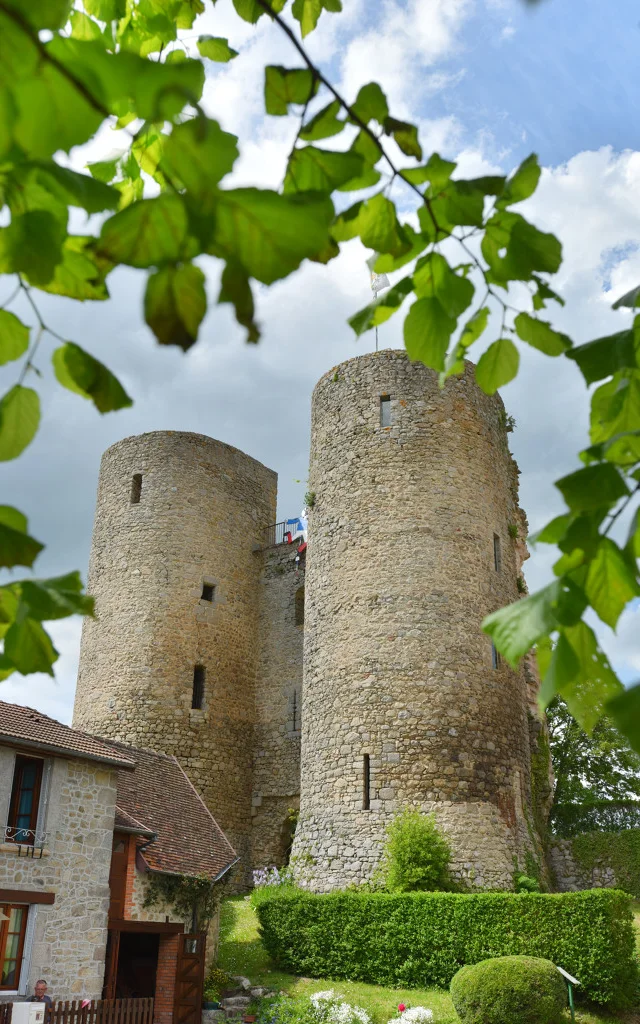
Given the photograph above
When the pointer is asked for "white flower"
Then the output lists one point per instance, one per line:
(320, 997)
(416, 1015)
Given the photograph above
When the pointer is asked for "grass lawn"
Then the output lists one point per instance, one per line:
(241, 952)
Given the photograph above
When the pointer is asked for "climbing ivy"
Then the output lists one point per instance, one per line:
(195, 898)
(620, 851)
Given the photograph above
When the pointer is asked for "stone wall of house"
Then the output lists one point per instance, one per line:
(201, 515)
(570, 876)
(67, 940)
(400, 574)
(278, 708)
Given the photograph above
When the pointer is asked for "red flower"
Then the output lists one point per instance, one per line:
(401, 1007)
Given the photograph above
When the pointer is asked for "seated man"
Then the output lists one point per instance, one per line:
(40, 993)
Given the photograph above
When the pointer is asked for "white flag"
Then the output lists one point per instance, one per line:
(378, 281)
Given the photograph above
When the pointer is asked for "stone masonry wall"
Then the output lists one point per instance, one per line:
(276, 747)
(202, 511)
(69, 937)
(569, 876)
(400, 574)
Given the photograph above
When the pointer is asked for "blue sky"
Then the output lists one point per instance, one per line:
(562, 74)
(489, 81)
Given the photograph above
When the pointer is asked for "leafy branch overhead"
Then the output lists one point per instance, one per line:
(167, 199)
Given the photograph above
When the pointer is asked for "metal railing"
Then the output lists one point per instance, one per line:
(23, 836)
(274, 535)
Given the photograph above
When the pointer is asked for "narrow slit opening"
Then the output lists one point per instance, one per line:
(136, 488)
(497, 553)
(197, 696)
(385, 410)
(366, 783)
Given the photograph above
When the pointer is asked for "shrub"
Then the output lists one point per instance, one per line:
(416, 855)
(525, 883)
(525, 989)
(215, 983)
(422, 939)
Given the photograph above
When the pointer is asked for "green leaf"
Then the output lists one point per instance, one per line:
(457, 203)
(175, 303)
(16, 547)
(199, 154)
(216, 48)
(436, 170)
(552, 533)
(78, 371)
(367, 150)
(417, 244)
(610, 582)
(592, 488)
(434, 277)
(522, 184)
(32, 244)
(497, 366)
(376, 222)
(632, 547)
(52, 112)
(106, 10)
(324, 124)
(605, 356)
(382, 308)
(14, 337)
(75, 189)
(83, 27)
(514, 249)
(251, 11)
(471, 331)
(42, 14)
(307, 12)
(81, 274)
(283, 86)
(427, 330)
(615, 408)
(236, 289)
(544, 293)
(56, 598)
(19, 419)
(520, 625)
(405, 136)
(103, 170)
(625, 712)
(320, 170)
(146, 234)
(28, 647)
(270, 234)
(589, 691)
(629, 300)
(371, 104)
(541, 335)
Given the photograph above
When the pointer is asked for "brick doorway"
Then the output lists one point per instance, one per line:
(137, 965)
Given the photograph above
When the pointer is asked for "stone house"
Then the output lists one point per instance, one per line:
(84, 824)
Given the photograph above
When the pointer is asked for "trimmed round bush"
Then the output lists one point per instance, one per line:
(525, 989)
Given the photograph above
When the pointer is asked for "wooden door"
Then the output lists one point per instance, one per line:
(118, 875)
(111, 965)
(189, 979)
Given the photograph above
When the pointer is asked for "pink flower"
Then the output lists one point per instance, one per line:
(401, 1007)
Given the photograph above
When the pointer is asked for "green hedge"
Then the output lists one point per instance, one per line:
(423, 938)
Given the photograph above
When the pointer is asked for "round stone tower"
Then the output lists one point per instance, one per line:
(169, 662)
(405, 702)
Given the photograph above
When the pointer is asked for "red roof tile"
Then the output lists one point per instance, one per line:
(30, 728)
(158, 795)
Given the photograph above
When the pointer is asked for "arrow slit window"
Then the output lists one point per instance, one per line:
(385, 410)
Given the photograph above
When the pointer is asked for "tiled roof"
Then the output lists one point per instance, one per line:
(159, 796)
(125, 823)
(31, 728)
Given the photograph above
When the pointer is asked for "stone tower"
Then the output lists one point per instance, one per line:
(405, 702)
(170, 661)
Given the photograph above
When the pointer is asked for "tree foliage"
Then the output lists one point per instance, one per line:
(589, 768)
(167, 199)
